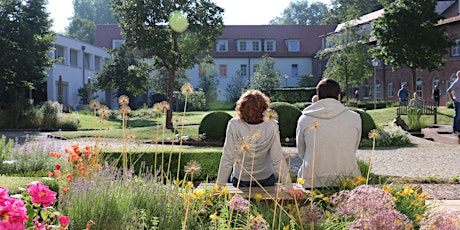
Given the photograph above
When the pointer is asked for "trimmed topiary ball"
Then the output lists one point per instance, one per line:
(214, 125)
(367, 122)
(288, 114)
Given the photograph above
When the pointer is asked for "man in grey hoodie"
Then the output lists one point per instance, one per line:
(328, 135)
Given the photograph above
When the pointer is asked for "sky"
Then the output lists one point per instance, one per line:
(237, 12)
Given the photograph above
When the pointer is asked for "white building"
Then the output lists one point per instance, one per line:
(78, 65)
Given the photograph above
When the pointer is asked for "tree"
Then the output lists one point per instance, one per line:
(266, 77)
(300, 12)
(199, 23)
(348, 60)
(124, 72)
(25, 43)
(408, 35)
(87, 14)
(82, 29)
(160, 80)
(345, 10)
(208, 79)
(235, 87)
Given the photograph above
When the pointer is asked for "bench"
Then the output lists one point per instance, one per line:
(428, 108)
(270, 192)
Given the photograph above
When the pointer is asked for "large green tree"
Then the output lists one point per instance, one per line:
(208, 79)
(161, 77)
(146, 26)
(300, 12)
(348, 60)
(266, 77)
(345, 10)
(124, 72)
(408, 35)
(25, 43)
(82, 29)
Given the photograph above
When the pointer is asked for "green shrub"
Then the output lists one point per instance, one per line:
(291, 95)
(5, 147)
(221, 105)
(367, 123)
(50, 111)
(288, 115)
(449, 105)
(214, 125)
(15, 184)
(68, 122)
(301, 105)
(389, 135)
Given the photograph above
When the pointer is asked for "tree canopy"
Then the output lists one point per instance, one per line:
(25, 43)
(300, 12)
(408, 35)
(345, 10)
(124, 72)
(146, 26)
(266, 77)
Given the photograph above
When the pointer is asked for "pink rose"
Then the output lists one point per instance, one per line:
(13, 214)
(3, 194)
(41, 194)
(64, 220)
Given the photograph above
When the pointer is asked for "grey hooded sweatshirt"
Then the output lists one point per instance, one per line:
(331, 133)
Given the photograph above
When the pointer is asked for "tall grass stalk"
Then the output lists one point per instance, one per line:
(372, 134)
(186, 89)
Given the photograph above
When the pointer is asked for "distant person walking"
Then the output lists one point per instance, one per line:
(436, 94)
(403, 93)
(454, 94)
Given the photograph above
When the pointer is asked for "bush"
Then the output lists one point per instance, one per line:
(68, 122)
(288, 115)
(214, 125)
(367, 123)
(50, 111)
(291, 95)
(389, 135)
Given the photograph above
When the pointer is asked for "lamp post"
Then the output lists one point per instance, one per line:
(286, 77)
(375, 63)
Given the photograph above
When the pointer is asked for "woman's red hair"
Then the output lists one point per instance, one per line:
(251, 106)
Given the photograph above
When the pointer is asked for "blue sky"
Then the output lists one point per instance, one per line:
(237, 12)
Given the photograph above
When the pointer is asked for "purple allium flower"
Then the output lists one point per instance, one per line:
(258, 223)
(440, 218)
(311, 213)
(383, 220)
(238, 203)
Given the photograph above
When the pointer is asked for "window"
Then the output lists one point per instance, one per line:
(59, 53)
(270, 45)
(256, 46)
(319, 68)
(377, 91)
(293, 45)
(242, 46)
(244, 70)
(222, 46)
(73, 57)
(223, 70)
(419, 88)
(456, 48)
(366, 90)
(117, 42)
(97, 63)
(390, 89)
(294, 70)
(87, 60)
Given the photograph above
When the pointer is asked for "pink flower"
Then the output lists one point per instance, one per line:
(38, 224)
(64, 220)
(41, 194)
(13, 214)
(238, 203)
(3, 194)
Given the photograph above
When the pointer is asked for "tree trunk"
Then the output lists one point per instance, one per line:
(414, 87)
(171, 76)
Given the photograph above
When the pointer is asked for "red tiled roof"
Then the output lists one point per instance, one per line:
(309, 36)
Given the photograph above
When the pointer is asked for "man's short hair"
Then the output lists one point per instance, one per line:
(328, 88)
(458, 73)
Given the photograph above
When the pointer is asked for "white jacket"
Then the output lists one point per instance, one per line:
(333, 142)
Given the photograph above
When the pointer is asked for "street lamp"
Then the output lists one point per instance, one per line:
(286, 77)
(375, 63)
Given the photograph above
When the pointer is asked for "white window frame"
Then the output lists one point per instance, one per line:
(249, 45)
(244, 70)
(242, 46)
(270, 43)
(117, 42)
(419, 87)
(378, 92)
(256, 46)
(222, 45)
(293, 45)
(455, 50)
(390, 89)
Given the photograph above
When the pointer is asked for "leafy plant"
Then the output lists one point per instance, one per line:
(5, 147)
(214, 125)
(288, 115)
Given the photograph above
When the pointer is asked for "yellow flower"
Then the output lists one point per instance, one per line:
(422, 195)
(286, 227)
(258, 196)
(319, 196)
(300, 181)
(199, 192)
(225, 191)
(408, 191)
(315, 125)
(213, 216)
(208, 203)
(374, 133)
(270, 114)
(123, 100)
(387, 189)
(186, 89)
(215, 187)
(418, 217)
(94, 104)
(189, 184)
(326, 199)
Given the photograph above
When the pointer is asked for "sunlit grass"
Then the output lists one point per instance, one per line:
(384, 116)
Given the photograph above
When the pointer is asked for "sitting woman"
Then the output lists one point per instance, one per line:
(252, 151)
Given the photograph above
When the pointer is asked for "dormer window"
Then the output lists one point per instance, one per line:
(293, 45)
(249, 45)
(270, 45)
(222, 45)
